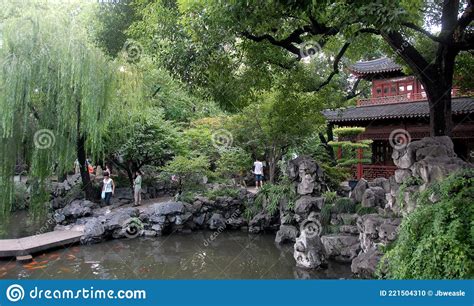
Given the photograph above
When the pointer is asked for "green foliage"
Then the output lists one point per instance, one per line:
(187, 196)
(113, 19)
(325, 216)
(348, 131)
(65, 89)
(353, 161)
(335, 206)
(20, 200)
(344, 205)
(188, 170)
(350, 145)
(233, 163)
(436, 241)
(409, 182)
(335, 175)
(360, 210)
(147, 139)
(222, 192)
(329, 197)
(271, 195)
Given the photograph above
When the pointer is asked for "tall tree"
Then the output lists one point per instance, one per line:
(263, 29)
(56, 86)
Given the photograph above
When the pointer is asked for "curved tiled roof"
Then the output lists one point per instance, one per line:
(379, 65)
(459, 106)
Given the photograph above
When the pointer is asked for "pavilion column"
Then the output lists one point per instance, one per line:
(360, 170)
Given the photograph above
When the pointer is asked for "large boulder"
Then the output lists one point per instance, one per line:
(359, 190)
(168, 208)
(365, 264)
(374, 196)
(431, 159)
(78, 209)
(286, 234)
(116, 219)
(307, 174)
(263, 221)
(380, 182)
(94, 231)
(402, 175)
(341, 247)
(217, 222)
(308, 250)
(307, 204)
(376, 230)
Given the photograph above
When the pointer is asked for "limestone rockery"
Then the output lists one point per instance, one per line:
(155, 219)
(319, 229)
(359, 238)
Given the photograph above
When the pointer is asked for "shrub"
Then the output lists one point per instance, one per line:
(223, 192)
(360, 210)
(335, 175)
(329, 197)
(20, 200)
(188, 170)
(344, 205)
(233, 163)
(436, 240)
(272, 194)
(325, 216)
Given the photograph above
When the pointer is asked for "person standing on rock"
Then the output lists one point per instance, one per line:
(108, 188)
(137, 188)
(258, 171)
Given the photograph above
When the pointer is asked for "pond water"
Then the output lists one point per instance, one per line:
(231, 255)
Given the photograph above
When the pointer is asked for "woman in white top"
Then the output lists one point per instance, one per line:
(137, 188)
(108, 188)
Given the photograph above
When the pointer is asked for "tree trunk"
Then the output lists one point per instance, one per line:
(81, 157)
(327, 147)
(273, 157)
(86, 179)
(436, 77)
(440, 114)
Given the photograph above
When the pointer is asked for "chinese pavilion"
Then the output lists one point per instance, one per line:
(398, 102)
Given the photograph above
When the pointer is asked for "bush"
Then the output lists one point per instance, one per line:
(224, 192)
(20, 200)
(335, 175)
(329, 197)
(344, 205)
(325, 216)
(188, 170)
(270, 196)
(436, 240)
(360, 210)
(233, 163)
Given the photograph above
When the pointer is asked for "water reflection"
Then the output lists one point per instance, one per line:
(235, 255)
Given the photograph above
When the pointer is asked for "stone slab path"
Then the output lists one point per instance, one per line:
(38, 243)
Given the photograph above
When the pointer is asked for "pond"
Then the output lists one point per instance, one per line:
(231, 255)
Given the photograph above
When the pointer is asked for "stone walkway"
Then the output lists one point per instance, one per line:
(38, 243)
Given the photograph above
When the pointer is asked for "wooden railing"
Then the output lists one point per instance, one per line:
(408, 97)
(370, 172)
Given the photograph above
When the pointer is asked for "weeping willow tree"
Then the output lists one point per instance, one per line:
(57, 95)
